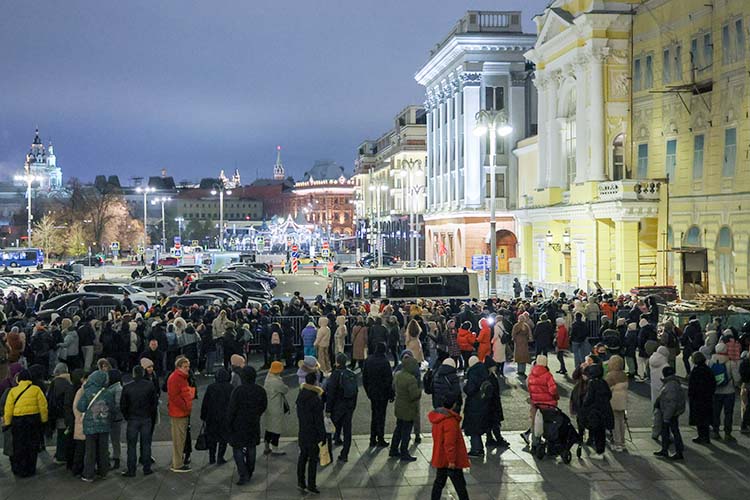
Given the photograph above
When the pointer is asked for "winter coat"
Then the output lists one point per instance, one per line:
(310, 415)
(521, 335)
(359, 342)
(476, 408)
(692, 337)
(701, 387)
(415, 346)
(276, 390)
(308, 335)
(448, 445)
(656, 364)
(215, 404)
(78, 434)
(375, 335)
(484, 339)
(59, 389)
(445, 382)
(498, 348)
(180, 395)
(336, 404)
(408, 393)
(139, 399)
(544, 336)
(377, 378)
(733, 375)
(96, 404)
(578, 332)
(671, 400)
(323, 337)
(542, 386)
(466, 340)
(246, 405)
(340, 335)
(31, 402)
(596, 411)
(495, 414)
(69, 346)
(618, 383)
(562, 338)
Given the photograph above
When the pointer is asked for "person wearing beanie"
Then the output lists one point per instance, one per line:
(309, 364)
(236, 364)
(341, 401)
(377, 381)
(445, 383)
(701, 387)
(59, 389)
(476, 406)
(277, 410)
(247, 404)
(671, 404)
(691, 340)
(139, 402)
(308, 334)
(68, 348)
(449, 456)
(726, 374)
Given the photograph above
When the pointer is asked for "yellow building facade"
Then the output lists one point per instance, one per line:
(585, 216)
(690, 121)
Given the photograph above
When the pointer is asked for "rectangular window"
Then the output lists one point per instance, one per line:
(499, 185)
(637, 75)
(694, 55)
(726, 56)
(698, 156)
(678, 63)
(739, 40)
(649, 73)
(708, 50)
(666, 72)
(670, 163)
(643, 161)
(570, 151)
(730, 152)
(494, 98)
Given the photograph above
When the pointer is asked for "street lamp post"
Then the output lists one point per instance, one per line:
(493, 123)
(28, 179)
(221, 189)
(411, 200)
(163, 200)
(376, 189)
(179, 221)
(145, 191)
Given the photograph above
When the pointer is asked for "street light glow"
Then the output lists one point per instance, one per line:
(480, 129)
(504, 130)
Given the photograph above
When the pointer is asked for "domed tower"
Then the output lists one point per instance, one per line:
(278, 169)
(41, 162)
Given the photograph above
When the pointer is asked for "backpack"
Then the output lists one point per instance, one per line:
(485, 390)
(275, 338)
(348, 384)
(505, 338)
(428, 381)
(171, 340)
(720, 374)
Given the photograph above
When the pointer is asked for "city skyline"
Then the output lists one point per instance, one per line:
(136, 97)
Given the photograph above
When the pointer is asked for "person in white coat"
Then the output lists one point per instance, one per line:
(656, 364)
(498, 348)
(277, 409)
(322, 344)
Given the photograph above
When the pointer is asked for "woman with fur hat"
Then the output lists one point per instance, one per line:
(322, 344)
(278, 408)
(340, 335)
(308, 365)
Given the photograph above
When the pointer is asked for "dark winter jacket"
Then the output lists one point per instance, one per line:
(701, 387)
(495, 413)
(476, 407)
(596, 411)
(671, 399)
(310, 415)
(336, 404)
(59, 389)
(215, 404)
(692, 336)
(246, 405)
(445, 382)
(578, 331)
(408, 393)
(544, 334)
(139, 399)
(377, 378)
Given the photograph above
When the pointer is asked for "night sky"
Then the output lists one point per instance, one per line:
(130, 87)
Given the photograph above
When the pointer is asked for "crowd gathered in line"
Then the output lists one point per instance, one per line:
(88, 381)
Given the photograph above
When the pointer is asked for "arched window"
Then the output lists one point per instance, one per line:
(693, 237)
(725, 260)
(618, 158)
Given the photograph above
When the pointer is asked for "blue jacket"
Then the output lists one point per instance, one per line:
(308, 335)
(96, 404)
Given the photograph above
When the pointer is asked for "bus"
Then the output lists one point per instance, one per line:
(21, 257)
(404, 284)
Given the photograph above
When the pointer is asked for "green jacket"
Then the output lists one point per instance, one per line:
(408, 392)
(96, 404)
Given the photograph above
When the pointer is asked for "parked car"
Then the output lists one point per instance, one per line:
(371, 260)
(137, 295)
(159, 284)
(169, 261)
(191, 299)
(91, 261)
(74, 303)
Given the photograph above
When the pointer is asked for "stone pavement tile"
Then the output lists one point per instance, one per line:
(685, 490)
(505, 490)
(288, 491)
(546, 490)
(403, 492)
(524, 478)
(358, 493)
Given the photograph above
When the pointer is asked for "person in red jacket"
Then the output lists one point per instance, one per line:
(449, 455)
(180, 403)
(484, 339)
(466, 339)
(562, 342)
(542, 390)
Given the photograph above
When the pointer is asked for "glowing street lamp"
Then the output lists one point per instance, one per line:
(28, 179)
(221, 190)
(145, 190)
(162, 200)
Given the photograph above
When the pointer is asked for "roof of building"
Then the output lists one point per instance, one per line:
(161, 182)
(324, 170)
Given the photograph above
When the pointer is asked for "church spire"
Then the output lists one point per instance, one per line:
(278, 169)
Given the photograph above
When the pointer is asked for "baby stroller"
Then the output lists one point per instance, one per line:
(554, 434)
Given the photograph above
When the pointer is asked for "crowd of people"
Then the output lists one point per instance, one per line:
(87, 381)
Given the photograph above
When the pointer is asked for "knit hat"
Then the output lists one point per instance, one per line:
(621, 321)
(541, 360)
(667, 371)
(698, 358)
(66, 323)
(473, 360)
(560, 321)
(449, 362)
(489, 362)
(146, 363)
(406, 352)
(309, 363)
(721, 348)
(643, 322)
(276, 367)
(60, 368)
(236, 360)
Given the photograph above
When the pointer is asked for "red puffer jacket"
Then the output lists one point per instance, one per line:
(466, 340)
(448, 446)
(180, 395)
(542, 386)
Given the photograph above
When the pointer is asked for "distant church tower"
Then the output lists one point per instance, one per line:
(278, 169)
(41, 162)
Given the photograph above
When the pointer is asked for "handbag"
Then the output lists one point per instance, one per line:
(201, 442)
(286, 406)
(324, 455)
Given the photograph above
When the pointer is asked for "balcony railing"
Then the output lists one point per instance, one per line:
(629, 189)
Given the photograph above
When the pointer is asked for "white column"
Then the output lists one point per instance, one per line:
(517, 104)
(457, 149)
(435, 168)
(555, 157)
(596, 115)
(428, 166)
(541, 83)
(472, 156)
(582, 124)
(449, 148)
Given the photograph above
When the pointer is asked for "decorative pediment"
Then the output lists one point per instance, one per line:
(556, 21)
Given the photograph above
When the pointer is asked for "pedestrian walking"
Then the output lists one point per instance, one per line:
(701, 387)
(180, 396)
(495, 414)
(727, 378)
(26, 412)
(311, 434)
(671, 402)
(466, 340)
(341, 401)
(246, 405)
(449, 456)
(596, 411)
(322, 345)
(377, 381)
(445, 383)
(562, 343)
(139, 401)
(277, 409)
(359, 342)
(544, 335)
(542, 390)
(214, 416)
(406, 408)
(521, 336)
(656, 363)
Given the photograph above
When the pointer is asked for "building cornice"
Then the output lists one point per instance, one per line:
(615, 210)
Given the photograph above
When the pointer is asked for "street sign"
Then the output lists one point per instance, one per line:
(178, 252)
(115, 245)
(177, 246)
(177, 240)
(295, 248)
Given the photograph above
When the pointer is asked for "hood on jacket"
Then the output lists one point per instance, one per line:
(410, 365)
(313, 388)
(594, 371)
(341, 320)
(322, 321)
(97, 380)
(663, 350)
(483, 323)
(248, 374)
(615, 364)
(114, 376)
(538, 369)
(440, 414)
(223, 376)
